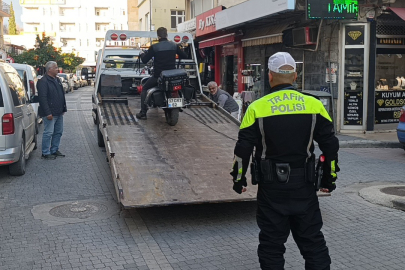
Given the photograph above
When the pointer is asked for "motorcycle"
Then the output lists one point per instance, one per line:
(172, 93)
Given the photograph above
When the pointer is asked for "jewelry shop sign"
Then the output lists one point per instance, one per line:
(353, 110)
(388, 106)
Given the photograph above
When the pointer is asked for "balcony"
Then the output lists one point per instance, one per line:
(4, 9)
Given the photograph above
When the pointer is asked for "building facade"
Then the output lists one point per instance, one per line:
(153, 14)
(4, 12)
(77, 26)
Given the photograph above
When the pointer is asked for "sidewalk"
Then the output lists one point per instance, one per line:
(387, 139)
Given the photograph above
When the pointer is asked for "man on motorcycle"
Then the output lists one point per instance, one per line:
(164, 54)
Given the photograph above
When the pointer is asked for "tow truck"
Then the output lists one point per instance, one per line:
(152, 163)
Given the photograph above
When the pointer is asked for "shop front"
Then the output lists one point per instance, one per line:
(220, 52)
(372, 86)
(390, 69)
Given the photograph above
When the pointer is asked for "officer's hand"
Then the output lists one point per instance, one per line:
(329, 178)
(239, 179)
(240, 185)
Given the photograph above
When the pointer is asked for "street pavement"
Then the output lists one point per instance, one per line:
(62, 214)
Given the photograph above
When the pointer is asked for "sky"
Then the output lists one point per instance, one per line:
(17, 12)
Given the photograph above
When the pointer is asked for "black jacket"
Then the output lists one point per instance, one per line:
(165, 56)
(51, 96)
(290, 121)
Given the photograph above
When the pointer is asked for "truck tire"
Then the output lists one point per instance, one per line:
(18, 168)
(100, 139)
(172, 116)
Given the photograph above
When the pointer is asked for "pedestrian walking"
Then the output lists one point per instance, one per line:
(52, 107)
(281, 127)
(223, 99)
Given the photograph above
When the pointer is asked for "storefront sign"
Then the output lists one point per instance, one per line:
(392, 42)
(251, 10)
(332, 9)
(388, 106)
(187, 26)
(206, 22)
(354, 35)
(353, 110)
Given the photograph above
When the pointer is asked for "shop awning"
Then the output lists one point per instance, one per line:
(399, 11)
(217, 41)
(264, 36)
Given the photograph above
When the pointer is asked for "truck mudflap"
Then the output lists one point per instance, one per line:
(155, 164)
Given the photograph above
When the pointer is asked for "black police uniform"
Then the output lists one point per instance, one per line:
(164, 54)
(282, 126)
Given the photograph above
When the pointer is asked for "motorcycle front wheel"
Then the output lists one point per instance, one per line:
(172, 116)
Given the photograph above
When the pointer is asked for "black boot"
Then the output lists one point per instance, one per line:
(141, 115)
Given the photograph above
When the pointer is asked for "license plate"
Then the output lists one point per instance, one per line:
(175, 102)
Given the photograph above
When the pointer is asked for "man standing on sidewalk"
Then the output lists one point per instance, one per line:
(52, 107)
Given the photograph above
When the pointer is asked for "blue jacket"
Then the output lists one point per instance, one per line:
(51, 96)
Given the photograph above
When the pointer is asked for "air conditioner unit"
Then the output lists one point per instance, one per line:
(305, 36)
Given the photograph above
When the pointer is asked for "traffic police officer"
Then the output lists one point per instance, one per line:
(281, 126)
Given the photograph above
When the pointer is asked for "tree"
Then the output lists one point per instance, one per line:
(12, 26)
(44, 52)
(71, 61)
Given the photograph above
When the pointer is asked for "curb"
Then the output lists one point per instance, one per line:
(374, 195)
(369, 144)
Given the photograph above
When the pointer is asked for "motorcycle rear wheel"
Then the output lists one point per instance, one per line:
(172, 116)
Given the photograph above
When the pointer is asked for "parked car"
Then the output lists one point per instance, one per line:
(29, 77)
(76, 82)
(64, 84)
(68, 79)
(401, 127)
(18, 136)
(83, 82)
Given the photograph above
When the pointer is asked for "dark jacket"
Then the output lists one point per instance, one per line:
(51, 96)
(164, 54)
(225, 100)
(290, 121)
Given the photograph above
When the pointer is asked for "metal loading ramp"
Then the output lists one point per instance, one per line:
(157, 164)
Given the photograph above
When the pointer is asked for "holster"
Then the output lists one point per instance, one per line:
(283, 171)
(266, 168)
(310, 169)
(254, 171)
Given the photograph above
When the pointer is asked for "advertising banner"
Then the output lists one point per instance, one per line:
(388, 106)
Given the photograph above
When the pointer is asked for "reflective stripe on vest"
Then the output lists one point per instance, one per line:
(283, 102)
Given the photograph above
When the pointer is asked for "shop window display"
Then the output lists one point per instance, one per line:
(353, 87)
(390, 72)
(390, 88)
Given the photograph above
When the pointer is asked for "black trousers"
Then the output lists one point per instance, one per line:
(290, 207)
(151, 82)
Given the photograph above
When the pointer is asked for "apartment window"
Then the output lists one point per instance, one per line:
(88, 43)
(200, 6)
(35, 29)
(177, 16)
(80, 42)
(123, 12)
(140, 24)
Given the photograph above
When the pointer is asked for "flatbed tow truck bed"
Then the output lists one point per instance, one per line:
(154, 164)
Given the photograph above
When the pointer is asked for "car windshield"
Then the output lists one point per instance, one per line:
(63, 76)
(122, 64)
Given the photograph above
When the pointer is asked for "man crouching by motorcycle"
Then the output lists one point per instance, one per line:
(164, 54)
